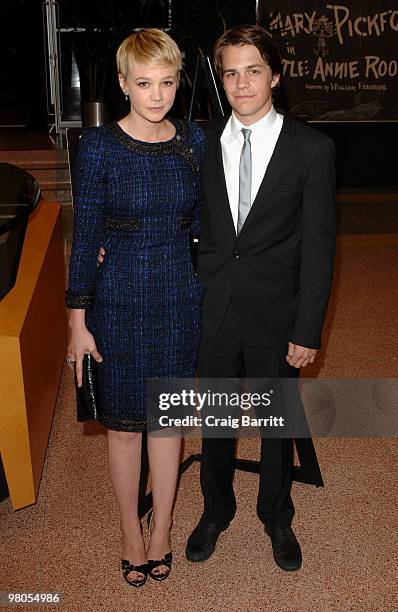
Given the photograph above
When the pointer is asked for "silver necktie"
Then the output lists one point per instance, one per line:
(245, 179)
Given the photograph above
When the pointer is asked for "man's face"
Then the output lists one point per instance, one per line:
(248, 82)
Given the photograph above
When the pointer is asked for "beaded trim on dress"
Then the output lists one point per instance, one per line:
(178, 144)
(74, 300)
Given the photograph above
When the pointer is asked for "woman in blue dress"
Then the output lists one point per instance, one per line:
(136, 193)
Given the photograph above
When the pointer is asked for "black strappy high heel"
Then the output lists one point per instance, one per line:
(128, 567)
(152, 563)
(167, 561)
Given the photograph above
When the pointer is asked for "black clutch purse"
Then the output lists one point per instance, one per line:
(87, 396)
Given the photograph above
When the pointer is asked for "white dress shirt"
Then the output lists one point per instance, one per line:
(263, 137)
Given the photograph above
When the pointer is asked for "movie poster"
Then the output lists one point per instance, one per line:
(340, 61)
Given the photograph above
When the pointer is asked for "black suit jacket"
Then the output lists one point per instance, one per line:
(279, 270)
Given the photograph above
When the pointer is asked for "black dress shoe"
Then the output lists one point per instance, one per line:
(202, 541)
(286, 549)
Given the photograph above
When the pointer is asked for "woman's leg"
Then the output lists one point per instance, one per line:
(124, 462)
(164, 459)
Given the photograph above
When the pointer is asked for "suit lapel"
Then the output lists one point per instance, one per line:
(277, 164)
(216, 171)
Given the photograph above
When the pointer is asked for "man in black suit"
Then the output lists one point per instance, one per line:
(266, 263)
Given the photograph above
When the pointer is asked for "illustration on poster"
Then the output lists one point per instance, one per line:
(370, 25)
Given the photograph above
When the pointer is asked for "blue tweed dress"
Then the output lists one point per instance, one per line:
(141, 202)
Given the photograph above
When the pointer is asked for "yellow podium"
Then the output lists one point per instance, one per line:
(33, 337)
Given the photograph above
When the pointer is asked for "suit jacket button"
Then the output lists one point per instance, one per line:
(236, 254)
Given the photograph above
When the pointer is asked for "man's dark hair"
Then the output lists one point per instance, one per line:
(249, 35)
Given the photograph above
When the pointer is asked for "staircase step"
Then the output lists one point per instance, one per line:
(49, 167)
(34, 158)
(57, 195)
(46, 185)
(50, 175)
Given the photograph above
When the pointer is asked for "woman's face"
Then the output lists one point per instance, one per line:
(151, 89)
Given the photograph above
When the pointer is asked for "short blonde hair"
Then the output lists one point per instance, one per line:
(150, 46)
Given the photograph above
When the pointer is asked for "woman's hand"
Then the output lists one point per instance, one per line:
(81, 342)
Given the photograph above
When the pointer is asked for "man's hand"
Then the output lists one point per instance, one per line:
(101, 255)
(300, 356)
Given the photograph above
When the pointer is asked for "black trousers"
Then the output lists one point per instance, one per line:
(226, 356)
